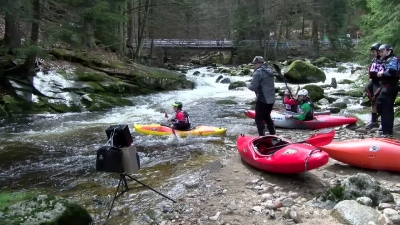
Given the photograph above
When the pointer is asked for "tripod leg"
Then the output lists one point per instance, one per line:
(115, 196)
(152, 189)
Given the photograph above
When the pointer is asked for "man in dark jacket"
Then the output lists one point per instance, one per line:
(389, 75)
(263, 84)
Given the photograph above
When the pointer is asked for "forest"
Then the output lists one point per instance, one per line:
(30, 27)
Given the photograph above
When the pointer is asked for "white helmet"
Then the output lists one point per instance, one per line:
(303, 92)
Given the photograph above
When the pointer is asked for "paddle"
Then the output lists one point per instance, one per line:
(173, 130)
(322, 138)
(278, 70)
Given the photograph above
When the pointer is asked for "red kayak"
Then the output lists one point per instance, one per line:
(278, 155)
(320, 121)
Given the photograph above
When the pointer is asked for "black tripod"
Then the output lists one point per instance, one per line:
(125, 188)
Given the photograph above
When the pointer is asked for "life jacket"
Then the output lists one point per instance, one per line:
(310, 115)
(291, 108)
(375, 66)
(393, 79)
(182, 117)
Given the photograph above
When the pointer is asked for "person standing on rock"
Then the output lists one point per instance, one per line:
(389, 75)
(373, 87)
(263, 84)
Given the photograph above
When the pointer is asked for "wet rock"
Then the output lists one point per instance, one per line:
(333, 83)
(351, 212)
(333, 110)
(340, 105)
(214, 166)
(196, 73)
(236, 84)
(225, 81)
(219, 78)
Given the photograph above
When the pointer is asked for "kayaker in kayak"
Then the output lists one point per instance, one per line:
(181, 120)
(290, 103)
(263, 84)
(306, 108)
(373, 87)
(389, 76)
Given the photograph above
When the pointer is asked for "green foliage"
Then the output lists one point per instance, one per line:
(380, 24)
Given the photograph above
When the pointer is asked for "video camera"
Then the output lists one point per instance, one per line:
(120, 155)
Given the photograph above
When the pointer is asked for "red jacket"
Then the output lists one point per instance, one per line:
(289, 101)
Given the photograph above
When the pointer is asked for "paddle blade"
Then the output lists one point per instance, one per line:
(323, 137)
(277, 69)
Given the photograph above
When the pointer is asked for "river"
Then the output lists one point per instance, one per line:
(56, 152)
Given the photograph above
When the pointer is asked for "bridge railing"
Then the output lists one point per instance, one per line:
(204, 43)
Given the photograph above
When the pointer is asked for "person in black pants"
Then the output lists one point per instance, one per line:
(263, 84)
(374, 87)
(389, 76)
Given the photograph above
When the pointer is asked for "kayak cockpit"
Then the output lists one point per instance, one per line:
(268, 145)
(188, 129)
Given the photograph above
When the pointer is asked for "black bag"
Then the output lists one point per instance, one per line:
(119, 135)
(109, 159)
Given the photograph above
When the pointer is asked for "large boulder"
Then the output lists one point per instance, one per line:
(315, 92)
(301, 72)
(22, 208)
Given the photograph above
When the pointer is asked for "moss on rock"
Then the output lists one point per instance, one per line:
(41, 209)
(315, 92)
(303, 72)
(101, 102)
(236, 84)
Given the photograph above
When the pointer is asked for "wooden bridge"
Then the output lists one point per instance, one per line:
(227, 45)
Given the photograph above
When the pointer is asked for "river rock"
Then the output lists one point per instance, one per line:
(324, 62)
(219, 78)
(334, 83)
(359, 185)
(315, 92)
(44, 209)
(236, 84)
(225, 80)
(352, 213)
(303, 72)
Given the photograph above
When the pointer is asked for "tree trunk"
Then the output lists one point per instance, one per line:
(142, 26)
(12, 32)
(88, 26)
(30, 62)
(303, 26)
(131, 23)
(314, 36)
(151, 30)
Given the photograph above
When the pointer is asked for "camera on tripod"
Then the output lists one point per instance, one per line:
(120, 155)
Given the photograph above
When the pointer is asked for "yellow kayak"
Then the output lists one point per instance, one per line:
(160, 130)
